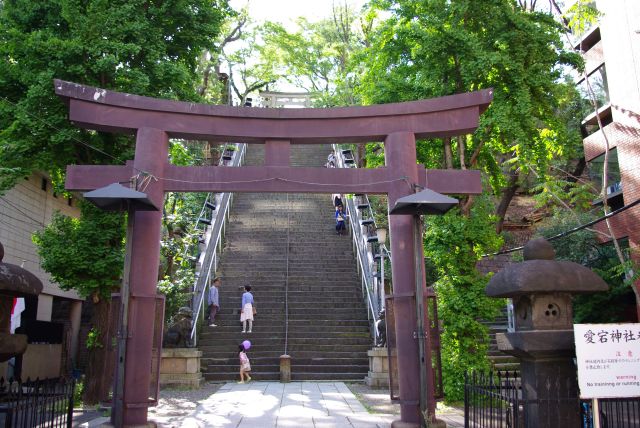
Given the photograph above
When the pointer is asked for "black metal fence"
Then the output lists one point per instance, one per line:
(495, 400)
(614, 413)
(38, 403)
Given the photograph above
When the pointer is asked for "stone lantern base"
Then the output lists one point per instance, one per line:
(180, 368)
(378, 376)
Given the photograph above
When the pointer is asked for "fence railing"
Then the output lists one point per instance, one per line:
(493, 400)
(496, 400)
(363, 250)
(212, 241)
(37, 403)
(613, 412)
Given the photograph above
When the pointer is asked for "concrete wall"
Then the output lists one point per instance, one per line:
(620, 50)
(620, 33)
(23, 210)
(42, 361)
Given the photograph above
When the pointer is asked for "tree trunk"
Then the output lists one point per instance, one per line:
(507, 195)
(361, 153)
(461, 152)
(101, 364)
(448, 154)
(577, 171)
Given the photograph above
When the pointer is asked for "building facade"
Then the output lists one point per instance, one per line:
(611, 50)
(51, 320)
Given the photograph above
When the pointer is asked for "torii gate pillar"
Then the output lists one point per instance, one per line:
(400, 157)
(151, 156)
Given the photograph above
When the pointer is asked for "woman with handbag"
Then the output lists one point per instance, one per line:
(246, 311)
(341, 216)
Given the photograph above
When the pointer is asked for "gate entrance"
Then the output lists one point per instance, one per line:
(154, 121)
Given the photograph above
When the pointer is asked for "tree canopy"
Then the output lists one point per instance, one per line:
(141, 47)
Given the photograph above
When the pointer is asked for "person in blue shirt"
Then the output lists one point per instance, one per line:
(246, 309)
(341, 216)
(213, 301)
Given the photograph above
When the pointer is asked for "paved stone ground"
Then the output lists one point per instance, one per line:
(272, 404)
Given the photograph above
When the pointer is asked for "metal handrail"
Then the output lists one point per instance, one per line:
(213, 240)
(364, 254)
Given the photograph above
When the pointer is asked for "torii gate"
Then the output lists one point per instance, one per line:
(154, 121)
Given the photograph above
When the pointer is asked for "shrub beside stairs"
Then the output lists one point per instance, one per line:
(279, 241)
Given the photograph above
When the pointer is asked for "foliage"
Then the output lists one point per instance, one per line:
(147, 49)
(93, 339)
(583, 247)
(581, 16)
(321, 56)
(84, 254)
(176, 291)
(253, 66)
(179, 248)
(453, 244)
(77, 394)
(433, 48)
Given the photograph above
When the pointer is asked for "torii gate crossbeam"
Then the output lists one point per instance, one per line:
(154, 121)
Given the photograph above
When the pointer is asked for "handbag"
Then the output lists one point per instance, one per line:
(254, 310)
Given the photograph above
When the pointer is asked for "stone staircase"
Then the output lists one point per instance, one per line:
(285, 245)
(499, 360)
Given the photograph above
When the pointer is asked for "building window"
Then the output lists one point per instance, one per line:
(599, 85)
(614, 184)
(590, 124)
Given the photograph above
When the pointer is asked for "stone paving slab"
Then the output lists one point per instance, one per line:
(275, 405)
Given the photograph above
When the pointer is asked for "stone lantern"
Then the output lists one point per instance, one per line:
(14, 282)
(542, 290)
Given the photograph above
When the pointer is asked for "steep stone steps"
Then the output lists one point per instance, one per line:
(285, 245)
(499, 360)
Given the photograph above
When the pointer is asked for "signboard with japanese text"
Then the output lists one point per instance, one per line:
(608, 359)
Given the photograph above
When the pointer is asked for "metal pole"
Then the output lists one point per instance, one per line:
(421, 333)
(123, 330)
(595, 413)
(382, 277)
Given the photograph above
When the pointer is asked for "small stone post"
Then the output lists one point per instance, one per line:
(285, 368)
(541, 289)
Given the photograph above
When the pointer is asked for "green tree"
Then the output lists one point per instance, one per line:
(86, 255)
(614, 305)
(320, 56)
(323, 57)
(141, 47)
(434, 47)
(453, 244)
(429, 48)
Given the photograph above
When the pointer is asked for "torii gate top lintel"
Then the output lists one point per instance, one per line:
(111, 111)
(153, 120)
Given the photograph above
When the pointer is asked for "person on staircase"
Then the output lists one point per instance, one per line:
(341, 218)
(247, 309)
(331, 160)
(214, 301)
(337, 200)
(245, 364)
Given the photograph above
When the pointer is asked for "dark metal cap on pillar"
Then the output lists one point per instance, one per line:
(116, 197)
(425, 202)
